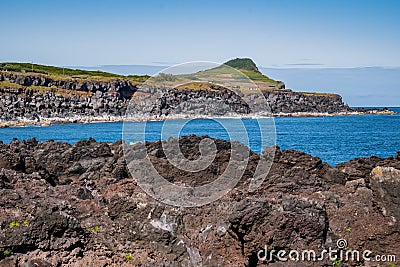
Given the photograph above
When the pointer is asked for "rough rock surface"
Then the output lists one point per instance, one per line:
(167, 102)
(33, 97)
(20, 104)
(76, 205)
(26, 80)
(287, 101)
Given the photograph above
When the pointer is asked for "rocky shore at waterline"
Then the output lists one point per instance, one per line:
(78, 205)
(41, 100)
(90, 119)
(20, 107)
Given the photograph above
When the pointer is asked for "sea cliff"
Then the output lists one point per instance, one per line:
(41, 99)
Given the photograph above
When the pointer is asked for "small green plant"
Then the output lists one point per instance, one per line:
(14, 224)
(128, 256)
(25, 223)
(348, 229)
(94, 228)
(392, 265)
(6, 253)
(337, 262)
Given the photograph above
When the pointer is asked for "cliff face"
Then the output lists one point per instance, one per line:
(20, 104)
(26, 96)
(155, 102)
(170, 102)
(124, 88)
(287, 101)
(77, 205)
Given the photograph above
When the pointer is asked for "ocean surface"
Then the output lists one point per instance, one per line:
(334, 139)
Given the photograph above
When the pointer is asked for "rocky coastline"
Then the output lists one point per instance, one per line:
(77, 205)
(41, 100)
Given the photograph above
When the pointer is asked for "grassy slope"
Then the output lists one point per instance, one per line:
(244, 65)
(249, 68)
(236, 70)
(65, 73)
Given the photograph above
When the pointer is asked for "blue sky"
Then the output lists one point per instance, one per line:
(275, 34)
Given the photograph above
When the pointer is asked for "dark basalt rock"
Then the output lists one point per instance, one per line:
(92, 213)
(102, 98)
(287, 101)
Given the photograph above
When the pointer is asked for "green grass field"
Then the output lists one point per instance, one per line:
(59, 73)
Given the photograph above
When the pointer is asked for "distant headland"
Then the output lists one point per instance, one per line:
(39, 94)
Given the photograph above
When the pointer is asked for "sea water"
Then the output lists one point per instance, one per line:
(334, 139)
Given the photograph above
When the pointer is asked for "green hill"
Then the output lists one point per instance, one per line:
(246, 66)
(250, 69)
(239, 73)
(222, 73)
(242, 64)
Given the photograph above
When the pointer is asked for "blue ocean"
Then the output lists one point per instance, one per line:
(334, 139)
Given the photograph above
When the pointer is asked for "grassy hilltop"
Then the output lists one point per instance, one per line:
(242, 64)
(237, 73)
(250, 69)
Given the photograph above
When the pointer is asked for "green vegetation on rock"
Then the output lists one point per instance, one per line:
(6, 253)
(128, 256)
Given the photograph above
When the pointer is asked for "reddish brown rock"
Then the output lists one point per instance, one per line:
(76, 205)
